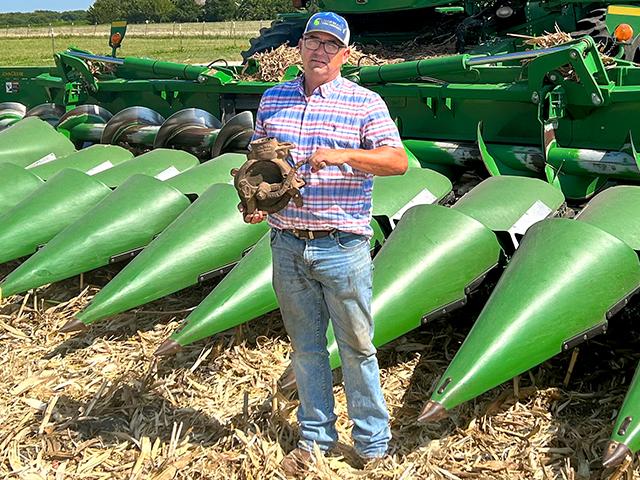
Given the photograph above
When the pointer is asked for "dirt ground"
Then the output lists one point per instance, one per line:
(99, 406)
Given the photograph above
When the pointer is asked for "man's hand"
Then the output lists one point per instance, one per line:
(324, 157)
(255, 217)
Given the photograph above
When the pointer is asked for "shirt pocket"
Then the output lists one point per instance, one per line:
(338, 136)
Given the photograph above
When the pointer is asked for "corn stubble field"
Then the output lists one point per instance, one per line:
(100, 406)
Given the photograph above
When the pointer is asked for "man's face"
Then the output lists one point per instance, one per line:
(318, 63)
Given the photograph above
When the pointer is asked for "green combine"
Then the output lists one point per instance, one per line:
(469, 25)
(106, 159)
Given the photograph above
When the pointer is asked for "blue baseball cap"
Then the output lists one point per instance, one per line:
(331, 23)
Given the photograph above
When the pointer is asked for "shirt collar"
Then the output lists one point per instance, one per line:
(323, 90)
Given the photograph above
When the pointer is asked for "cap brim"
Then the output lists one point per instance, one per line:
(328, 33)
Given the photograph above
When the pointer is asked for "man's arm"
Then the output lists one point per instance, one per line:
(383, 153)
(378, 161)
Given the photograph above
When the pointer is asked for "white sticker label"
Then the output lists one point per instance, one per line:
(100, 168)
(46, 159)
(425, 197)
(12, 87)
(538, 211)
(168, 173)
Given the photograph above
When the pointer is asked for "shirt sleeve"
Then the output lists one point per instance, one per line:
(259, 130)
(377, 129)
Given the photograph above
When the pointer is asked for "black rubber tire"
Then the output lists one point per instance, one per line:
(279, 33)
(594, 25)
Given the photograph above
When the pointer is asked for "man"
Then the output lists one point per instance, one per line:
(321, 263)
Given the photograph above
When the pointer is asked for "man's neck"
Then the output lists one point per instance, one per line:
(311, 84)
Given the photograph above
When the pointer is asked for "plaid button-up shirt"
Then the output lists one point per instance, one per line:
(338, 115)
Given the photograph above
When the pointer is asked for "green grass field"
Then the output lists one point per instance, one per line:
(39, 51)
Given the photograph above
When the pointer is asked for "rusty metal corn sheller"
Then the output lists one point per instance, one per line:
(267, 181)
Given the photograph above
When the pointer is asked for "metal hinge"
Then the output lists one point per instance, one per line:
(584, 336)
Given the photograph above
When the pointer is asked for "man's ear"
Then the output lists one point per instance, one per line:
(346, 53)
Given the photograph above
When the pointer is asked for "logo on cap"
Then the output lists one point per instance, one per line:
(331, 23)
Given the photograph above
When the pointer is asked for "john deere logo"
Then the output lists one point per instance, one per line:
(316, 22)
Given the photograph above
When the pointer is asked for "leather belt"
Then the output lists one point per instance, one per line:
(309, 234)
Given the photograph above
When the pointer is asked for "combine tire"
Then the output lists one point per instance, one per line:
(595, 26)
(280, 32)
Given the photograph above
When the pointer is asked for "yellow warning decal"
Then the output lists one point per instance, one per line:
(118, 24)
(620, 10)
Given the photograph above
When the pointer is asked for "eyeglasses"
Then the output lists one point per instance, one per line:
(313, 43)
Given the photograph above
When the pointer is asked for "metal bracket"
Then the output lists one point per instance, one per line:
(622, 431)
(215, 273)
(475, 283)
(584, 336)
(621, 304)
(444, 385)
(228, 108)
(125, 255)
(584, 58)
(449, 307)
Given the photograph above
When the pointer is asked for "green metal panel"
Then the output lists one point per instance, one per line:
(161, 163)
(254, 272)
(70, 194)
(119, 226)
(436, 254)
(423, 267)
(36, 86)
(244, 294)
(55, 205)
(31, 140)
(125, 220)
(16, 184)
(93, 158)
(392, 194)
(499, 202)
(208, 236)
(617, 14)
(615, 210)
(534, 311)
(217, 170)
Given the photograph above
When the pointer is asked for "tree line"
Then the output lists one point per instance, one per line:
(139, 11)
(44, 17)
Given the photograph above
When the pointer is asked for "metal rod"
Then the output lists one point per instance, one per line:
(515, 55)
(96, 58)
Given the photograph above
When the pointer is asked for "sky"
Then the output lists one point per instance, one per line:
(31, 5)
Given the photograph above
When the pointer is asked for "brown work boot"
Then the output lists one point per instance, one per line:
(297, 462)
(372, 463)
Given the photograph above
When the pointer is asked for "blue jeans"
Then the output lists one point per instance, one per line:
(316, 280)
